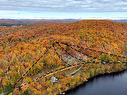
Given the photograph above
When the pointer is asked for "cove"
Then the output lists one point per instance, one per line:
(112, 84)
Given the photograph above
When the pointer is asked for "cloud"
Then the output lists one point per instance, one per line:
(65, 5)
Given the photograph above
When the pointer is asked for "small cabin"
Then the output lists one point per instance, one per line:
(105, 62)
(54, 79)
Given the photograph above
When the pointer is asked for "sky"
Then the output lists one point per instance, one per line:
(63, 9)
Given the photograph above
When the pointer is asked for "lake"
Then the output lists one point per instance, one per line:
(114, 84)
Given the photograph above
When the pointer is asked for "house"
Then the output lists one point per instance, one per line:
(54, 79)
(105, 61)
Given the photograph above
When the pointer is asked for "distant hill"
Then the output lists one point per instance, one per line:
(17, 22)
(121, 20)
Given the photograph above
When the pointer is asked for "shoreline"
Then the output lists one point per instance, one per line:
(82, 83)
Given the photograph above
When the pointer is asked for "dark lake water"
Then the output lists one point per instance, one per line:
(115, 84)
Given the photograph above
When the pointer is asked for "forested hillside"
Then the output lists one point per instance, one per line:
(29, 52)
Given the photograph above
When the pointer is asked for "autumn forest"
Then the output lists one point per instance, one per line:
(49, 58)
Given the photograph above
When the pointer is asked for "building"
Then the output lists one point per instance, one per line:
(54, 79)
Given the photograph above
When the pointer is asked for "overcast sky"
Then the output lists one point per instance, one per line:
(61, 9)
